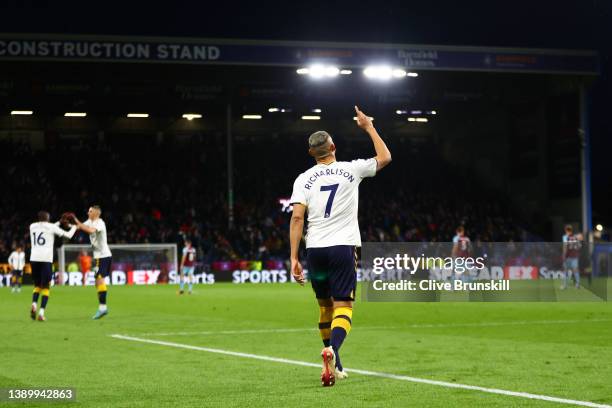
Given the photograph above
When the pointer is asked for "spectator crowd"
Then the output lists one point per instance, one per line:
(160, 191)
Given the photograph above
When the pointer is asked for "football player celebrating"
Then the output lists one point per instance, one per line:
(16, 261)
(96, 228)
(329, 192)
(42, 237)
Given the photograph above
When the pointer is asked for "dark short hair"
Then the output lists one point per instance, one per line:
(319, 144)
(96, 207)
(568, 227)
(318, 138)
(460, 229)
(43, 216)
(188, 240)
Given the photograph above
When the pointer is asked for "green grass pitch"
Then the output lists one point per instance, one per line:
(554, 349)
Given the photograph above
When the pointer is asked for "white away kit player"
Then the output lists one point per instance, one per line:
(329, 192)
(96, 228)
(42, 238)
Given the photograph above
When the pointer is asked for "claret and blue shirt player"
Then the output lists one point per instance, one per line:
(572, 244)
(187, 267)
(329, 193)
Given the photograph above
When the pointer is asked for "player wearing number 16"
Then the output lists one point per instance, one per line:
(42, 237)
(329, 192)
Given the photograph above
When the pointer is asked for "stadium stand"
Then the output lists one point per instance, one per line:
(157, 190)
(160, 191)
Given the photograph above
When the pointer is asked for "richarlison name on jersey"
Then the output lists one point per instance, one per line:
(498, 285)
(327, 172)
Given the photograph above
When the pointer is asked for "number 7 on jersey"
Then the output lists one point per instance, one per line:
(332, 188)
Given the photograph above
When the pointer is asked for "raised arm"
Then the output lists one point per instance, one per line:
(296, 228)
(383, 155)
(85, 228)
(61, 233)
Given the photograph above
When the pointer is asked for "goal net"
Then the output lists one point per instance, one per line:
(133, 264)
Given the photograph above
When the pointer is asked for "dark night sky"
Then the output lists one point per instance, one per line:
(580, 24)
(543, 23)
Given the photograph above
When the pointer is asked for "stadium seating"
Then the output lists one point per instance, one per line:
(159, 190)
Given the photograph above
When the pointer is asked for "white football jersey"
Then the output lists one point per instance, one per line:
(42, 237)
(17, 260)
(331, 194)
(98, 239)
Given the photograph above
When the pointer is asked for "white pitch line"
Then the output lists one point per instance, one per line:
(368, 373)
(409, 326)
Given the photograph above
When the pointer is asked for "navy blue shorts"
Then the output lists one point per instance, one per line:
(102, 267)
(332, 271)
(41, 274)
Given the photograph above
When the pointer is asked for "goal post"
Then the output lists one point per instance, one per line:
(132, 263)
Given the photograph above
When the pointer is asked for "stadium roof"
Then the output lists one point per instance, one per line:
(52, 47)
(108, 77)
